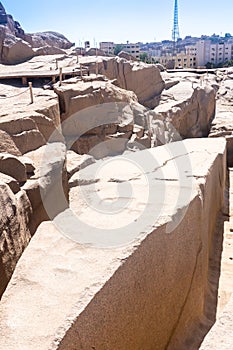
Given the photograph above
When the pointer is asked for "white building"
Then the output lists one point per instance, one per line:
(213, 53)
(178, 61)
(109, 48)
(132, 49)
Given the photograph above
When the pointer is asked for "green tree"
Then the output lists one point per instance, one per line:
(209, 65)
(228, 63)
(144, 57)
(118, 49)
(219, 65)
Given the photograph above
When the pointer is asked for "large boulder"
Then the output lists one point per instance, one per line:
(7, 145)
(95, 112)
(144, 79)
(24, 131)
(9, 25)
(49, 38)
(13, 47)
(15, 50)
(186, 112)
(127, 56)
(76, 97)
(12, 166)
(16, 46)
(94, 52)
(141, 281)
(48, 184)
(26, 127)
(48, 50)
(3, 15)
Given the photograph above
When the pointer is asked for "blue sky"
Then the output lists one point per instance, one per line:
(122, 20)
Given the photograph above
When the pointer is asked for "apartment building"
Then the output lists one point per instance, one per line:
(132, 49)
(178, 61)
(191, 50)
(199, 55)
(108, 47)
(185, 60)
(214, 53)
(228, 52)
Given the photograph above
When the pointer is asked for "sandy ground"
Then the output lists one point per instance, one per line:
(16, 99)
(221, 261)
(226, 269)
(48, 62)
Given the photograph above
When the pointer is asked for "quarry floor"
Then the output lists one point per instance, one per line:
(225, 288)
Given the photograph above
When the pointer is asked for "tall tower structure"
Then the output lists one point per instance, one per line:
(175, 31)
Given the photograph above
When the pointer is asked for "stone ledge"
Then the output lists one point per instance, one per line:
(148, 293)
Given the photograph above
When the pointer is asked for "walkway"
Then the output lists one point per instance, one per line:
(38, 74)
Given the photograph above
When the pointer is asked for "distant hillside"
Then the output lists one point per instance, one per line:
(17, 46)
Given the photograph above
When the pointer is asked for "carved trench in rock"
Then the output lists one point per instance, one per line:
(172, 341)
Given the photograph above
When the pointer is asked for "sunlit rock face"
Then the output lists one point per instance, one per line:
(18, 46)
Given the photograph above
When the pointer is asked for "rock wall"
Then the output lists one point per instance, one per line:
(143, 79)
(16, 212)
(16, 46)
(189, 110)
(222, 125)
(51, 39)
(27, 127)
(25, 130)
(94, 112)
(148, 293)
(15, 50)
(22, 200)
(81, 95)
(183, 111)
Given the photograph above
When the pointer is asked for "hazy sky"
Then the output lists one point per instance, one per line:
(122, 20)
